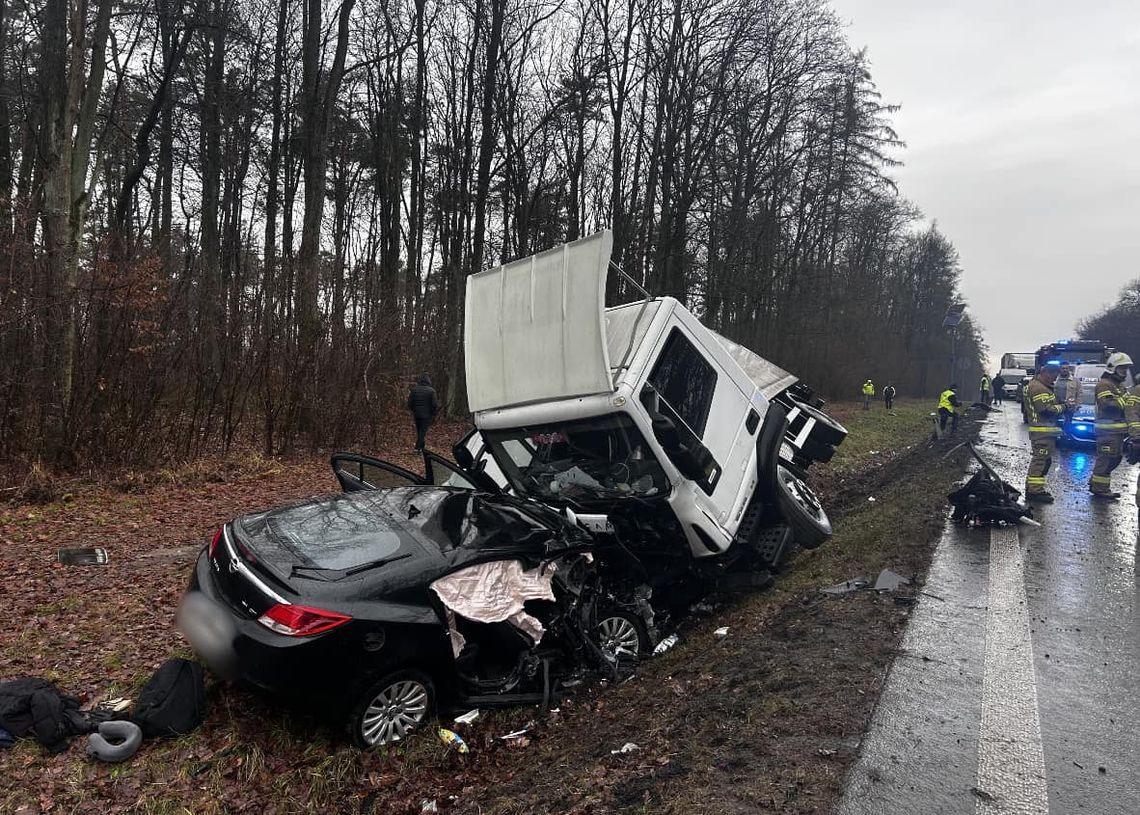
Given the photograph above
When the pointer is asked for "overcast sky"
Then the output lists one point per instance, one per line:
(1022, 124)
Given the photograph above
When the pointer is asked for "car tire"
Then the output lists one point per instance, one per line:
(827, 431)
(801, 508)
(622, 632)
(392, 708)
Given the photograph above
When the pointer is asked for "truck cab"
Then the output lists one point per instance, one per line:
(638, 418)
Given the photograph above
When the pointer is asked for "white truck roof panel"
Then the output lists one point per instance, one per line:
(769, 379)
(534, 329)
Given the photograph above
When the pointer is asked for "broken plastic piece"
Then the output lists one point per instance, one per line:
(452, 740)
(84, 556)
(854, 584)
(871, 498)
(428, 806)
(515, 734)
(468, 717)
(890, 581)
(628, 747)
(665, 644)
(721, 632)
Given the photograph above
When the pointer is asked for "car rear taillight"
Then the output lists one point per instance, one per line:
(214, 542)
(300, 621)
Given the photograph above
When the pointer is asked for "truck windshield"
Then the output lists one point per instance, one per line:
(585, 462)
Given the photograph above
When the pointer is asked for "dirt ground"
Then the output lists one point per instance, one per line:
(767, 718)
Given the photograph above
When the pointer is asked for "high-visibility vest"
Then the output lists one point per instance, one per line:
(944, 402)
(1042, 409)
(985, 383)
(868, 388)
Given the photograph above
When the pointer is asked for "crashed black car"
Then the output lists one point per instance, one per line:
(379, 605)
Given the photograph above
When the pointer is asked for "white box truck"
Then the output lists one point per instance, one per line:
(637, 418)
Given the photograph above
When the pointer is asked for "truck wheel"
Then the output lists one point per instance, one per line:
(801, 509)
(817, 452)
(826, 430)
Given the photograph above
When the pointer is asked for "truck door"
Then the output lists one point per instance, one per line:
(708, 407)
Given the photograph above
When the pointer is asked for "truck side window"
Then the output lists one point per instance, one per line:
(685, 380)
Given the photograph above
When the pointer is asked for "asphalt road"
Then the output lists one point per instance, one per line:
(1017, 689)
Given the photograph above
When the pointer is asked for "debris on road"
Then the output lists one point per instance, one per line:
(854, 584)
(453, 740)
(721, 632)
(665, 644)
(890, 581)
(468, 717)
(988, 500)
(84, 556)
(628, 747)
(871, 498)
(429, 806)
(514, 734)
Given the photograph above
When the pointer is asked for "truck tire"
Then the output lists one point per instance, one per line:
(815, 451)
(826, 430)
(801, 508)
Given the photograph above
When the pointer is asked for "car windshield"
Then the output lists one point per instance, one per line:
(584, 462)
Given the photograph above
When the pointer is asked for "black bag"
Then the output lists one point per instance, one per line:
(173, 701)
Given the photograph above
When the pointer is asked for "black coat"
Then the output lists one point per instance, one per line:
(422, 402)
(32, 705)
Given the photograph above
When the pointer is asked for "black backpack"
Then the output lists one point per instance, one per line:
(173, 701)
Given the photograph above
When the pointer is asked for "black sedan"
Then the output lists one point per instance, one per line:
(379, 604)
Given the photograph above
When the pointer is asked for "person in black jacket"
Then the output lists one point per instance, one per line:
(424, 405)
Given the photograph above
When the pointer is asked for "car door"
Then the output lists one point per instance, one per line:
(356, 472)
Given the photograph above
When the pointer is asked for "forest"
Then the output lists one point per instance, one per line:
(249, 222)
(1118, 325)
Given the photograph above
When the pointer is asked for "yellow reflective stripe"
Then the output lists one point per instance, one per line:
(1043, 397)
(1111, 425)
(1035, 479)
(1101, 479)
(1046, 430)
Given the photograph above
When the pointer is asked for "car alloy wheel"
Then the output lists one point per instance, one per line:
(392, 709)
(619, 637)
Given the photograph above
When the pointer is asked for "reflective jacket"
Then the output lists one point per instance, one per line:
(1113, 404)
(948, 401)
(1042, 408)
(986, 384)
(868, 388)
(1133, 402)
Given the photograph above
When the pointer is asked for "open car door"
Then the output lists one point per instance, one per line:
(358, 472)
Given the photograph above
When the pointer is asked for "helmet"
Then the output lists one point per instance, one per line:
(1117, 360)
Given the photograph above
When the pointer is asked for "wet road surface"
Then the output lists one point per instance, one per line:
(1017, 689)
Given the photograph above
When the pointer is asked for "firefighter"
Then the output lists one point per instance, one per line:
(1134, 432)
(1041, 406)
(948, 405)
(868, 394)
(1112, 409)
(985, 390)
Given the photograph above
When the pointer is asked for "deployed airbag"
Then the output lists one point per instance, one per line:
(496, 591)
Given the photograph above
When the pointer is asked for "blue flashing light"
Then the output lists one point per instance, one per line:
(1080, 462)
(1054, 362)
(1083, 428)
(1062, 342)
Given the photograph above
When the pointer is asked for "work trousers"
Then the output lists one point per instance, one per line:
(984, 396)
(866, 401)
(1109, 453)
(890, 402)
(944, 416)
(422, 426)
(1044, 448)
(998, 395)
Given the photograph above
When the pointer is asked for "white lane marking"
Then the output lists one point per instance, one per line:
(1011, 761)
